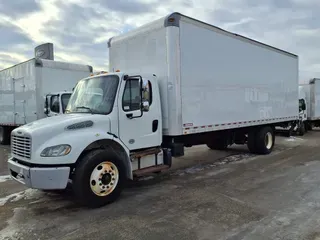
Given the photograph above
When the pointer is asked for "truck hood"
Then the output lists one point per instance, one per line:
(55, 125)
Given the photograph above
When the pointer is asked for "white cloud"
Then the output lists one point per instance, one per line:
(80, 29)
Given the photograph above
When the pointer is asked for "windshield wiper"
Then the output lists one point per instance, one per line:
(84, 107)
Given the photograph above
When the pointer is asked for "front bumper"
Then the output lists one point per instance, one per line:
(45, 178)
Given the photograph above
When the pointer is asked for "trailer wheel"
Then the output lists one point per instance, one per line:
(264, 140)
(4, 135)
(99, 178)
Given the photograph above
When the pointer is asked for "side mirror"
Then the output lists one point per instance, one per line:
(46, 111)
(145, 106)
(55, 107)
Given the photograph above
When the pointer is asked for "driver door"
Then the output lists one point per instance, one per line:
(138, 129)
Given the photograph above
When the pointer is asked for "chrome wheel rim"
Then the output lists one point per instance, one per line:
(104, 178)
(268, 140)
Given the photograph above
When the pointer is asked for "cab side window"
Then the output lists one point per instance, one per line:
(147, 92)
(131, 100)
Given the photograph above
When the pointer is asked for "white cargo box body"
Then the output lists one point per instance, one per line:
(313, 99)
(210, 79)
(23, 88)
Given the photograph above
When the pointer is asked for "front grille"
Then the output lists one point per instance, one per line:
(21, 146)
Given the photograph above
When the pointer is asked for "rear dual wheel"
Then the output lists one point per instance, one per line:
(261, 140)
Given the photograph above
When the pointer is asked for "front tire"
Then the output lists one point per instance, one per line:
(305, 126)
(4, 135)
(302, 129)
(99, 178)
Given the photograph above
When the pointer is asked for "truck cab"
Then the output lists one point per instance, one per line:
(302, 111)
(111, 131)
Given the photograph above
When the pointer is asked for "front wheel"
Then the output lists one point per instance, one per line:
(99, 178)
(4, 135)
(302, 129)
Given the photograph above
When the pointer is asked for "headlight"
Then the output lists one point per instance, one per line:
(56, 151)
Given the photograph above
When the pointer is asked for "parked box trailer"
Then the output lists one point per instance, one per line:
(27, 88)
(174, 83)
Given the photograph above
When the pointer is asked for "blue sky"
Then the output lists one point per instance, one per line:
(79, 29)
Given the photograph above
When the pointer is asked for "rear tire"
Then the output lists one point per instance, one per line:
(264, 140)
(99, 178)
(4, 135)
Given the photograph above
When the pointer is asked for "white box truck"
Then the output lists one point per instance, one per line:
(177, 82)
(310, 103)
(35, 89)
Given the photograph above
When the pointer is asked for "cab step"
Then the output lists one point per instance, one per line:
(147, 170)
(140, 154)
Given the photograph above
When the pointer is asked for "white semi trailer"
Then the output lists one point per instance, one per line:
(310, 102)
(35, 89)
(178, 82)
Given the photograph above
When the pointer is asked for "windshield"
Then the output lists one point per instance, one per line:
(94, 95)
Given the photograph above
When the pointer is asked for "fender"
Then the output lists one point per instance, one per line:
(82, 141)
(115, 145)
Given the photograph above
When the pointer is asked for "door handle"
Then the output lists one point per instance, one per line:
(129, 115)
(155, 124)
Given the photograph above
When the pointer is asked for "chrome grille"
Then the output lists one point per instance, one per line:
(21, 146)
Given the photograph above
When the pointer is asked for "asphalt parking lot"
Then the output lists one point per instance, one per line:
(206, 195)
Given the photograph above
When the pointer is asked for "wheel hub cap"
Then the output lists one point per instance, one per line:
(104, 178)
